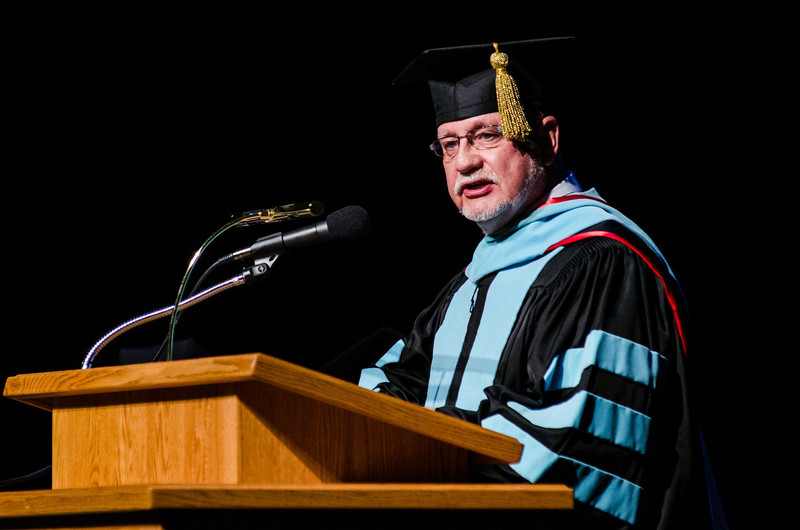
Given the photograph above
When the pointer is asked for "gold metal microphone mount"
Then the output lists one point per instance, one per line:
(286, 212)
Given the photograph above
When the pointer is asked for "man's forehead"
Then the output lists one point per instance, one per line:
(457, 128)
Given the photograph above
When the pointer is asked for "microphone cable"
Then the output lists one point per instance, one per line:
(199, 283)
(25, 478)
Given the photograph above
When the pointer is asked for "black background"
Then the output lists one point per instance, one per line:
(135, 137)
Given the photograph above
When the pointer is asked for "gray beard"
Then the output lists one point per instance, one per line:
(536, 174)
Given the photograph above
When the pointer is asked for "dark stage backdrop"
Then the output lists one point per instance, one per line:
(131, 147)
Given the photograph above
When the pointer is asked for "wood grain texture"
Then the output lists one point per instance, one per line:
(320, 443)
(48, 388)
(332, 496)
(163, 436)
(38, 388)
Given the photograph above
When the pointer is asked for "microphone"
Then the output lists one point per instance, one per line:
(346, 224)
(280, 213)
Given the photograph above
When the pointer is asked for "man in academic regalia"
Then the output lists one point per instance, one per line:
(566, 331)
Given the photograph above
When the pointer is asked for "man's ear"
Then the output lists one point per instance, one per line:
(550, 137)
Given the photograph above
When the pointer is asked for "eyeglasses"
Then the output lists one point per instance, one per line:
(484, 137)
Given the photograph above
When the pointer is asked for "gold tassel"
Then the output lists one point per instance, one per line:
(512, 116)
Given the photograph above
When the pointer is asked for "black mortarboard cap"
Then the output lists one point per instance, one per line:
(464, 83)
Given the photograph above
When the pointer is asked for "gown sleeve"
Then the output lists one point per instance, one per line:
(592, 383)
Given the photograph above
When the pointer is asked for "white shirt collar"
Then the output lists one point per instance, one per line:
(565, 187)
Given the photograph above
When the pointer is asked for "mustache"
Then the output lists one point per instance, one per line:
(467, 180)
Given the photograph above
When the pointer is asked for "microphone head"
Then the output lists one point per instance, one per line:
(348, 223)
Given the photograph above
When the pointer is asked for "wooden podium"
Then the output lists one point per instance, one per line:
(174, 444)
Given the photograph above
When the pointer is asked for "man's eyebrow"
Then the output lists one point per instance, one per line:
(448, 133)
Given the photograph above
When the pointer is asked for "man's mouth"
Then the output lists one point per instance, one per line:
(477, 188)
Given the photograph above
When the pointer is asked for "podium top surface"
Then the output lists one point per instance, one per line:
(45, 389)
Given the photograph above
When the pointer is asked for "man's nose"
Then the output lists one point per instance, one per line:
(467, 158)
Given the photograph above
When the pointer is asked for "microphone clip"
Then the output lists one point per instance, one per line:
(259, 271)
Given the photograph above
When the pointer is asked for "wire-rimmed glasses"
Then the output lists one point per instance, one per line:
(483, 137)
